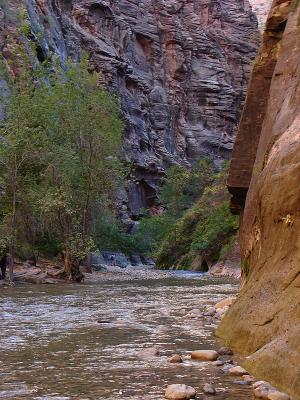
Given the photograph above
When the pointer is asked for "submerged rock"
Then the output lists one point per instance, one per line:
(225, 351)
(209, 389)
(180, 392)
(175, 359)
(210, 312)
(219, 363)
(149, 353)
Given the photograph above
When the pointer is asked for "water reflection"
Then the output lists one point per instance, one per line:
(51, 346)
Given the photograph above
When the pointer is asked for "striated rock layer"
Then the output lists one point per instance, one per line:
(264, 323)
(179, 67)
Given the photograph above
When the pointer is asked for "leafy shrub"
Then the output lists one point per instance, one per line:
(219, 225)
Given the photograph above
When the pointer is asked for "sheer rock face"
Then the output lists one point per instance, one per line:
(179, 67)
(264, 323)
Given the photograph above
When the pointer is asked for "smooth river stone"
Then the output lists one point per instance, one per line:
(204, 355)
(237, 371)
(180, 392)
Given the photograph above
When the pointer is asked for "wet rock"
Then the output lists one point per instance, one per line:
(195, 311)
(195, 314)
(219, 363)
(209, 389)
(149, 353)
(204, 355)
(238, 371)
(175, 359)
(261, 389)
(210, 312)
(225, 351)
(180, 392)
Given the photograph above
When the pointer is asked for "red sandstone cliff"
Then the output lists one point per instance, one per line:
(264, 323)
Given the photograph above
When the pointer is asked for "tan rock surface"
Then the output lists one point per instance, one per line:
(264, 323)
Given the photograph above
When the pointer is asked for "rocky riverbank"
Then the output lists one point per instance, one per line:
(222, 358)
(50, 273)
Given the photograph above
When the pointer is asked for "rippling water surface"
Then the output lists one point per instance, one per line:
(51, 346)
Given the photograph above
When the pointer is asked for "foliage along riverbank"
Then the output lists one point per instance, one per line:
(59, 150)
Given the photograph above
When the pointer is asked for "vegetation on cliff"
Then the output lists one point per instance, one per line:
(204, 233)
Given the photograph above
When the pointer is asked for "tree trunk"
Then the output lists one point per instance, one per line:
(13, 229)
(11, 261)
(71, 268)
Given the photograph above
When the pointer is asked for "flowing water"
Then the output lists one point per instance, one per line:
(52, 347)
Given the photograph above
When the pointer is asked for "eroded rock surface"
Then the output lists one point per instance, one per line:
(180, 69)
(264, 322)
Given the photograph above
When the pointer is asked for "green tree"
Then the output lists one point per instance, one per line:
(182, 186)
(59, 151)
(86, 132)
(21, 140)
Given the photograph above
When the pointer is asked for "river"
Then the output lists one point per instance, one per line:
(53, 348)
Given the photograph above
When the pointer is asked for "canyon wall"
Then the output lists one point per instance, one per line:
(264, 322)
(180, 69)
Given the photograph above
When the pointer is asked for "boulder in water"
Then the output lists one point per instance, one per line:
(225, 351)
(176, 359)
(204, 355)
(180, 392)
(209, 389)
